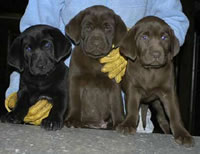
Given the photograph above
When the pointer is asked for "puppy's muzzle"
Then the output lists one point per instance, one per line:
(155, 54)
(41, 64)
(96, 45)
(154, 59)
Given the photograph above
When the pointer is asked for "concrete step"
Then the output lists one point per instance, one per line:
(27, 139)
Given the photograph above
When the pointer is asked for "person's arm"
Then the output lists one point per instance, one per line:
(171, 12)
(43, 12)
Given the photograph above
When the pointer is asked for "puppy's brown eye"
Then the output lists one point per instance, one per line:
(107, 26)
(28, 49)
(88, 27)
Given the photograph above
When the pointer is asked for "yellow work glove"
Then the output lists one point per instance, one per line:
(36, 113)
(115, 65)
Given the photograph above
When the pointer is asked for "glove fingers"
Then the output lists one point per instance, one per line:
(109, 67)
(38, 106)
(41, 114)
(10, 102)
(118, 78)
(118, 69)
(112, 56)
(7, 106)
(37, 122)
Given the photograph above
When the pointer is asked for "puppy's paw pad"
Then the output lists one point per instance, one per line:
(126, 129)
(49, 124)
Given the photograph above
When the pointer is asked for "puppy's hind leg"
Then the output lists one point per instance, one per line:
(117, 112)
(161, 118)
(74, 110)
(144, 110)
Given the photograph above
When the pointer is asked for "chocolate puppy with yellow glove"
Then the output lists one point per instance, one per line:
(115, 66)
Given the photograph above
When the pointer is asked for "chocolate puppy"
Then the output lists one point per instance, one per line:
(150, 47)
(95, 100)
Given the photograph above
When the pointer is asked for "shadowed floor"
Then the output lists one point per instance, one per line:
(26, 139)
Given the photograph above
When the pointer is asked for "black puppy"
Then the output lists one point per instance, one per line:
(38, 54)
(95, 100)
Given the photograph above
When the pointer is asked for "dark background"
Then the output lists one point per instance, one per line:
(187, 62)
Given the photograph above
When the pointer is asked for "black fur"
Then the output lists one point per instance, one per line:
(38, 54)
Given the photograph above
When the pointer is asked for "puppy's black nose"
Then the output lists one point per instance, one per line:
(155, 54)
(41, 64)
(96, 41)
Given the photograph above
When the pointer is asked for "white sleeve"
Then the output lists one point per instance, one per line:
(43, 12)
(171, 12)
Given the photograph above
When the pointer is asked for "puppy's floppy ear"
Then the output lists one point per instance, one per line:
(73, 28)
(120, 30)
(175, 46)
(15, 57)
(128, 45)
(62, 45)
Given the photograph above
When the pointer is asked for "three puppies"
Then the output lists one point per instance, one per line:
(38, 54)
(95, 100)
(150, 47)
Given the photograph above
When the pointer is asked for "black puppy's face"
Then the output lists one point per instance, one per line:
(153, 42)
(96, 29)
(38, 49)
(39, 54)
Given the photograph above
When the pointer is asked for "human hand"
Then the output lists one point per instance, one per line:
(36, 113)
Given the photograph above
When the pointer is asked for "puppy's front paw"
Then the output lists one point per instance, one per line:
(126, 128)
(12, 117)
(52, 123)
(184, 138)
